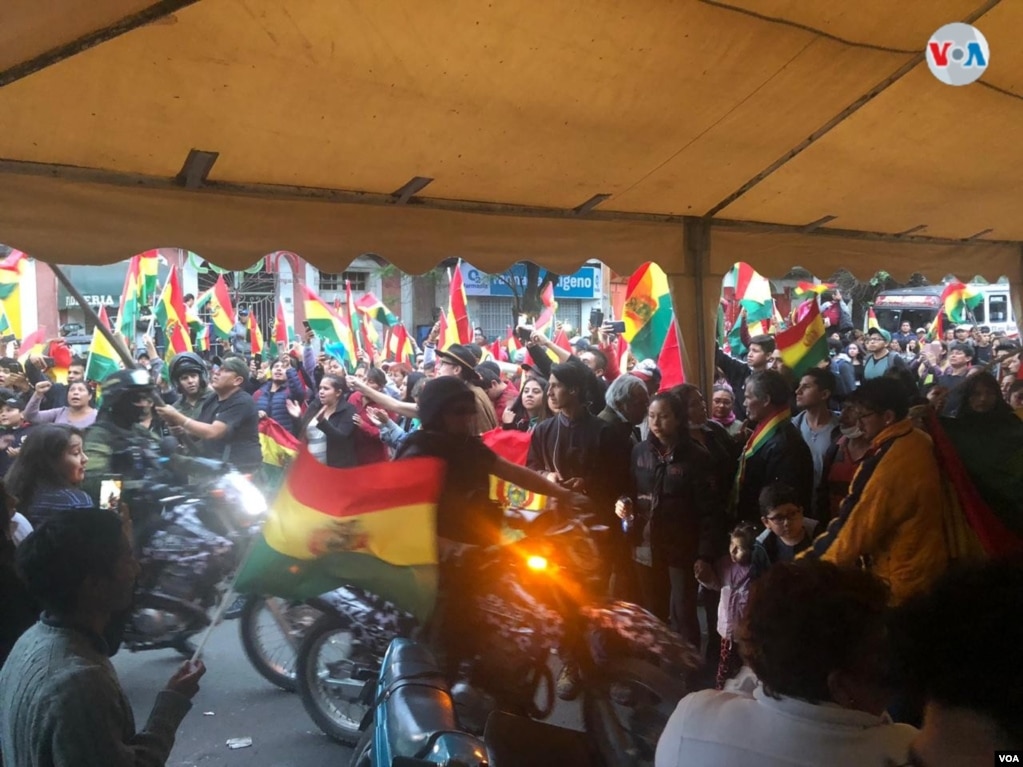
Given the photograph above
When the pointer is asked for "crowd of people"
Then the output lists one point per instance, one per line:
(799, 515)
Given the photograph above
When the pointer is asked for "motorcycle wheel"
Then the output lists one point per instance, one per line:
(626, 708)
(362, 756)
(330, 694)
(271, 631)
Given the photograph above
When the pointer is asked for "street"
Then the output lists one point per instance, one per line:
(242, 703)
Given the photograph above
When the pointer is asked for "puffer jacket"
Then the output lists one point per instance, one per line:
(893, 520)
(275, 403)
(675, 502)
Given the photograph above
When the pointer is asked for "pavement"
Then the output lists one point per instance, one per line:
(233, 702)
(236, 702)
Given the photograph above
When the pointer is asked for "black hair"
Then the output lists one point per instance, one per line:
(777, 494)
(601, 357)
(188, 296)
(965, 348)
(909, 383)
(883, 394)
(765, 342)
(488, 375)
(376, 376)
(11, 365)
(411, 379)
(572, 377)
(66, 549)
(770, 385)
(968, 607)
(678, 407)
(807, 619)
(77, 361)
(824, 379)
(38, 463)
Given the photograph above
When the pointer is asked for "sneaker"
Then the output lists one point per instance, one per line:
(234, 610)
(567, 686)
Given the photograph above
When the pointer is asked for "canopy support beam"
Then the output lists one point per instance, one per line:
(693, 292)
(153, 13)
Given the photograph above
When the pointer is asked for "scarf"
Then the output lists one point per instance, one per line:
(726, 422)
(760, 436)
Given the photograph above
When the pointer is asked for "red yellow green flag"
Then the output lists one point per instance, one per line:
(753, 291)
(203, 339)
(872, 319)
(454, 323)
(221, 309)
(326, 322)
(958, 301)
(130, 309)
(170, 313)
(805, 344)
(513, 446)
(399, 346)
(545, 322)
(372, 527)
(373, 308)
(33, 343)
(279, 335)
(805, 288)
(149, 265)
(280, 447)
(647, 312)
(255, 334)
(103, 360)
(669, 361)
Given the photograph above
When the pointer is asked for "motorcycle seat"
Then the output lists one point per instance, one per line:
(419, 714)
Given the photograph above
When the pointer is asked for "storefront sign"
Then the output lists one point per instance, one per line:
(583, 284)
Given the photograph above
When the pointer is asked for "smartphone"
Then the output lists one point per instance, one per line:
(596, 318)
(614, 327)
(110, 492)
(305, 324)
(524, 333)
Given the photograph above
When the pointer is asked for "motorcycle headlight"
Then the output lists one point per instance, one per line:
(247, 503)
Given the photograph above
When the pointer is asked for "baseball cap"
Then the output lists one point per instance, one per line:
(236, 365)
(646, 370)
(880, 332)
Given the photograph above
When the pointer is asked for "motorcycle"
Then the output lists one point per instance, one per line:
(534, 596)
(189, 542)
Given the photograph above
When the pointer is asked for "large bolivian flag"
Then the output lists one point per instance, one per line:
(647, 312)
(373, 527)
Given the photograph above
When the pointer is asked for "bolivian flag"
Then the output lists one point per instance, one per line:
(647, 312)
(805, 344)
(513, 446)
(373, 527)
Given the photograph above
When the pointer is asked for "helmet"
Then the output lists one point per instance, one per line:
(188, 362)
(120, 392)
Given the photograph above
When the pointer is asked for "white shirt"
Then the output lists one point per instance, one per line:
(722, 729)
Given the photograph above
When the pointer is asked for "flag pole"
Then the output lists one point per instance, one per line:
(91, 314)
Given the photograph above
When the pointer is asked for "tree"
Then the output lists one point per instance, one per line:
(526, 296)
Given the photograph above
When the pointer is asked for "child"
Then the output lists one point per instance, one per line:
(13, 428)
(732, 575)
(787, 531)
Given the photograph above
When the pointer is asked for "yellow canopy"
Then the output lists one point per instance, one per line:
(779, 132)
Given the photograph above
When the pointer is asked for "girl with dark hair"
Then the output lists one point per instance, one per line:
(330, 428)
(529, 408)
(46, 476)
(674, 517)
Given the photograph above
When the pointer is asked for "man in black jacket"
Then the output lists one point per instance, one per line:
(737, 372)
(775, 452)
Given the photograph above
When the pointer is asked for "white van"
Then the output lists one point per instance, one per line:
(918, 307)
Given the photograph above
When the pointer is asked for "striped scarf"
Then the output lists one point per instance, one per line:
(760, 436)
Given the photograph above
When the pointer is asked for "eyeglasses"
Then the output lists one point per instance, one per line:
(782, 518)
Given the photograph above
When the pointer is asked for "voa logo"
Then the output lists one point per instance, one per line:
(1007, 758)
(958, 54)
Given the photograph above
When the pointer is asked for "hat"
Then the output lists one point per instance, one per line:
(440, 393)
(462, 356)
(236, 365)
(243, 310)
(920, 330)
(965, 327)
(12, 402)
(880, 332)
(646, 370)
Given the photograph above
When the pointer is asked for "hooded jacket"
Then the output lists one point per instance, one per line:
(893, 520)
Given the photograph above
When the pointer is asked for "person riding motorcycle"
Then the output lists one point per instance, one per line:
(467, 521)
(118, 444)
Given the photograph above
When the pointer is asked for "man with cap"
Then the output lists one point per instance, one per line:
(960, 365)
(648, 372)
(457, 360)
(239, 335)
(228, 424)
(880, 358)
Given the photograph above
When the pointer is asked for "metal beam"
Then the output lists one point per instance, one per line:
(414, 185)
(590, 204)
(155, 12)
(197, 167)
(815, 225)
